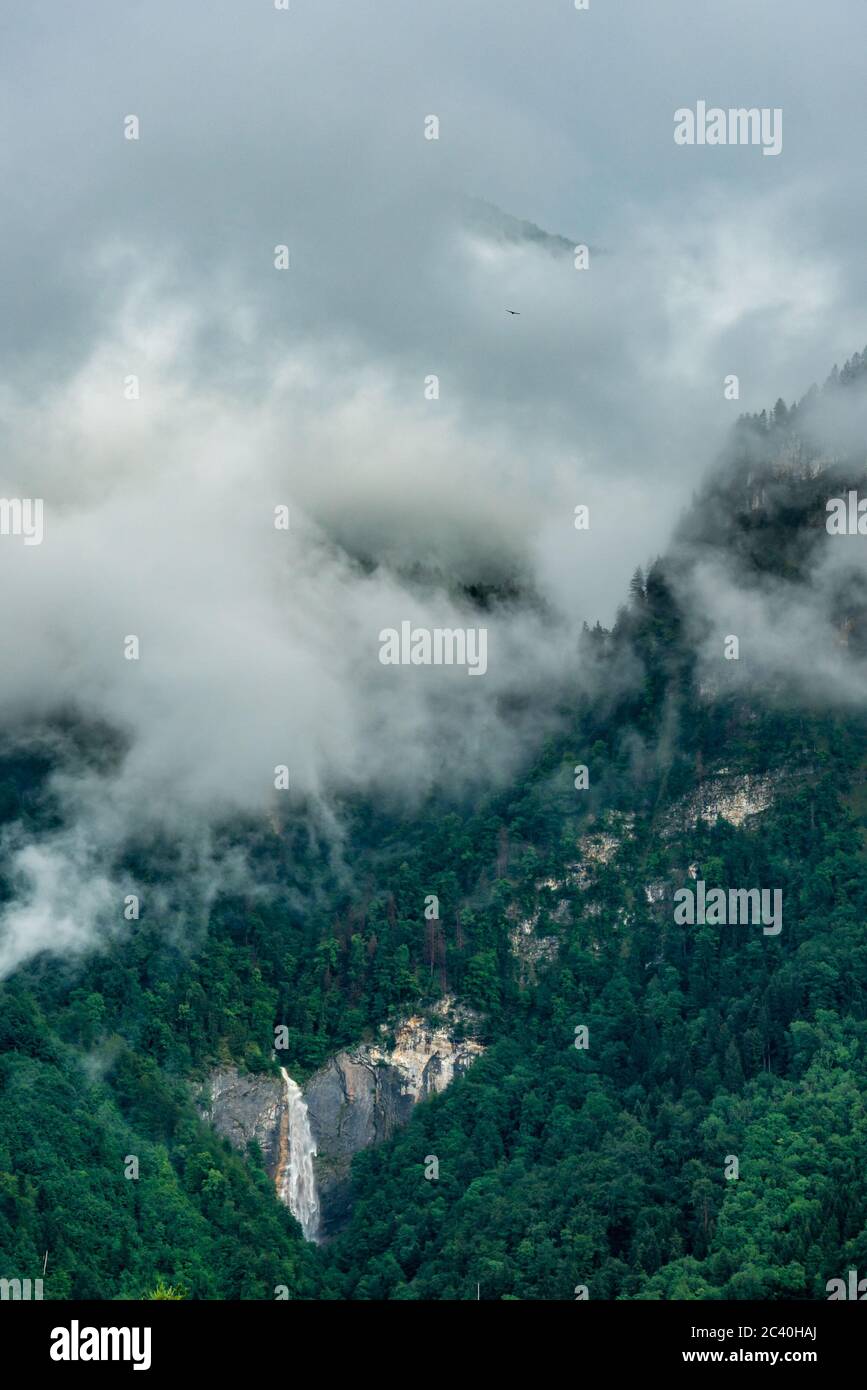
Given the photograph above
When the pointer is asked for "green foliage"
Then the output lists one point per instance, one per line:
(164, 1292)
(557, 1166)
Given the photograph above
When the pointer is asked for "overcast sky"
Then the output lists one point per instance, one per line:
(306, 127)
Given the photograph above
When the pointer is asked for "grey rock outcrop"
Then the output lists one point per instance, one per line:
(359, 1098)
(245, 1106)
(726, 795)
(364, 1094)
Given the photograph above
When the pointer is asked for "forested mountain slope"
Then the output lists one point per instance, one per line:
(602, 1166)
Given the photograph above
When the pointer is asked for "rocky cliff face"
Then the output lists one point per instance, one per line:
(359, 1098)
(732, 797)
(363, 1095)
(242, 1107)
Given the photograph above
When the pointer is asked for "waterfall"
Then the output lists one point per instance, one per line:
(296, 1181)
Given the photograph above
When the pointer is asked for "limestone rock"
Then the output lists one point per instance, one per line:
(364, 1094)
(244, 1106)
(726, 795)
(359, 1098)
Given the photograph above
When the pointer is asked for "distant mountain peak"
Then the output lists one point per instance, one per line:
(490, 221)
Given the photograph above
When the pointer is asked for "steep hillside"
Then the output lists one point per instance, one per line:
(703, 1138)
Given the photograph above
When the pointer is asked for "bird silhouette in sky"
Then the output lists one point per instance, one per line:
(514, 311)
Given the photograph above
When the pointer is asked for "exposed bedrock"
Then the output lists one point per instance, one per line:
(359, 1098)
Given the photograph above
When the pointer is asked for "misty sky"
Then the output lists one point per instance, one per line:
(155, 258)
(305, 127)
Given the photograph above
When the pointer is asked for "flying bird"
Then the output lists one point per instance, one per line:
(514, 311)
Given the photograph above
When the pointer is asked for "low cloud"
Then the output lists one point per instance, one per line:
(259, 388)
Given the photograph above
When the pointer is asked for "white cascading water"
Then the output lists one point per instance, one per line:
(297, 1179)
